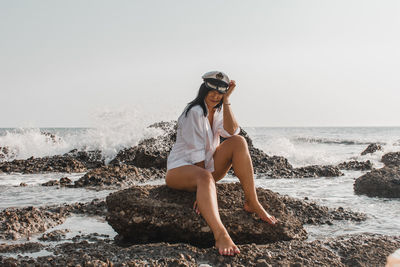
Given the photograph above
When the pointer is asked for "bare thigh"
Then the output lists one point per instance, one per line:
(223, 158)
(185, 177)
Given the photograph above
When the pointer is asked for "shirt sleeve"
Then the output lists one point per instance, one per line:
(193, 134)
(220, 127)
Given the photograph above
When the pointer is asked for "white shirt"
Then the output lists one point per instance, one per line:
(196, 140)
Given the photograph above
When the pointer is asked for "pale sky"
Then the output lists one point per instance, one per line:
(296, 63)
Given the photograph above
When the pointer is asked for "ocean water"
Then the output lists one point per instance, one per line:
(301, 146)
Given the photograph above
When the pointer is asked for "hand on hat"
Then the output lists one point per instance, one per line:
(231, 87)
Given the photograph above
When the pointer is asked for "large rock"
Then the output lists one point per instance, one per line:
(391, 159)
(144, 214)
(384, 182)
(152, 152)
(91, 159)
(42, 165)
(118, 176)
(371, 149)
(356, 165)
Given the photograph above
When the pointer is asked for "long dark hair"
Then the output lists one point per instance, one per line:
(199, 100)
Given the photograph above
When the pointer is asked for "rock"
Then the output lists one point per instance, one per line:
(355, 250)
(384, 182)
(63, 182)
(176, 221)
(20, 248)
(152, 152)
(371, 149)
(156, 213)
(91, 159)
(118, 176)
(364, 249)
(391, 159)
(23, 184)
(356, 165)
(16, 223)
(317, 171)
(55, 235)
(51, 137)
(312, 213)
(43, 165)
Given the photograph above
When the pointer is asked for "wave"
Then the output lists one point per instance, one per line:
(315, 140)
(113, 131)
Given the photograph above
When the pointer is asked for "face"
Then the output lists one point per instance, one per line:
(213, 98)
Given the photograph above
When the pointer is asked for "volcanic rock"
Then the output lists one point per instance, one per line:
(371, 149)
(364, 249)
(63, 182)
(20, 248)
(15, 223)
(312, 213)
(91, 159)
(391, 159)
(158, 214)
(152, 152)
(118, 176)
(355, 250)
(356, 165)
(43, 165)
(55, 235)
(384, 182)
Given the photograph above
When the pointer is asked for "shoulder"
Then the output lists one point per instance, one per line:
(196, 111)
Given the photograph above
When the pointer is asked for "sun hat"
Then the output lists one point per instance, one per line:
(216, 80)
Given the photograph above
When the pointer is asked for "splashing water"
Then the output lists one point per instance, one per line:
(112, 131)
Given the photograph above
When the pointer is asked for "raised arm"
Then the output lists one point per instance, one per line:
(230, 123)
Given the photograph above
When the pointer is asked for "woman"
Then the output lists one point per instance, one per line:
(197, 160)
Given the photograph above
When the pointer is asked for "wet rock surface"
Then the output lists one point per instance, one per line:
(43, 165)
(55, 235)
(61, 182)
(90, 159)
(312, 213)
(16, 223)
(391, 159)
(143, 214)
(118, 176)
(355, 165)
(356, 250)
(363, 250)
(384, 182)
(371, 149)
(152, 152)
(21, 248)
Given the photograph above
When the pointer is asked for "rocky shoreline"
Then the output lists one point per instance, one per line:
(156, 226)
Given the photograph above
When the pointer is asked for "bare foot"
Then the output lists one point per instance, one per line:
(260, 211)
(225, 245)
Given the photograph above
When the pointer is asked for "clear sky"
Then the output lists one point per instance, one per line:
(296, 63)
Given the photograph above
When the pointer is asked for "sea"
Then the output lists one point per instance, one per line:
(302, 146)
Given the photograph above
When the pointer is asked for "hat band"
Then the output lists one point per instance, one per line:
(221, 89)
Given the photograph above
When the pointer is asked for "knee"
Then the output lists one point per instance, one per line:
(204, 177)
(239, 141)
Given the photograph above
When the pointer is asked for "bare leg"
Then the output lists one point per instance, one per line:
(193, 178)
(234, 152)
